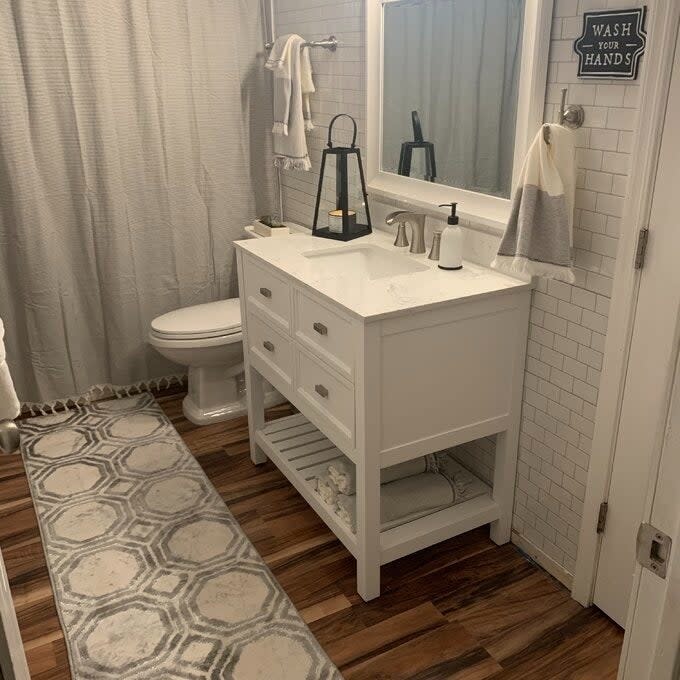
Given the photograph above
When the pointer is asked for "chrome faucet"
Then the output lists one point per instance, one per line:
(417, 222)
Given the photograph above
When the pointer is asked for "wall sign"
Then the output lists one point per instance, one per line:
(611, 44)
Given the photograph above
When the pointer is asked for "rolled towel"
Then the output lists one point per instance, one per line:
(327, 489)
(403, 500)
(343, 472)
(346, 510)
(9, 403)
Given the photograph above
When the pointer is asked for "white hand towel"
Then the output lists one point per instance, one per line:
(343, 472)
(539, 235)
(9, 403)
(290, 142)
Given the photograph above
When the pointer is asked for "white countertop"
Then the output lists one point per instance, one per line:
(378, 298)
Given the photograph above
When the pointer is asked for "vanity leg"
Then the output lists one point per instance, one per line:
(368, 527)
(255, 401)
(504, 484)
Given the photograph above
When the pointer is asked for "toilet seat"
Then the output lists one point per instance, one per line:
(160, 340)
(214, 320)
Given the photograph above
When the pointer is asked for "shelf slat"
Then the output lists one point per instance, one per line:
(297, 469)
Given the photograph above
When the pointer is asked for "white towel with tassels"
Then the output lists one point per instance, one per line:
(290, 88)
(9, 403)
(539, 235)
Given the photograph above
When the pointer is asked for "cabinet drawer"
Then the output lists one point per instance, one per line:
(330, 395)
(326, 333)
(267, 292)
(272, 347)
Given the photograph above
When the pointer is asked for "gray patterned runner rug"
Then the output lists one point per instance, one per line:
(153, 576)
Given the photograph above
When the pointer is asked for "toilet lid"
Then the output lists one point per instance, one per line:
(201, 321)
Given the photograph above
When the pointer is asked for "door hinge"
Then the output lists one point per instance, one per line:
(602, 517)
(641, 248)
(653, 549)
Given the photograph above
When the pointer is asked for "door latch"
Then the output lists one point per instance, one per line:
(653, 549)
(641, 248)
(602, 517)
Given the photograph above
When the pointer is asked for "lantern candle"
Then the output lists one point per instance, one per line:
(335, 220)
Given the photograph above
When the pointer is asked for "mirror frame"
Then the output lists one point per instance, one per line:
(475, 208)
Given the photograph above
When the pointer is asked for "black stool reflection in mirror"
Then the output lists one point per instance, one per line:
(406, 155)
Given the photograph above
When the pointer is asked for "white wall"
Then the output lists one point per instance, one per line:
(568, 322)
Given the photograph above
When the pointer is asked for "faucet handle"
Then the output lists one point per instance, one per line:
(436, 245)
(401, 241)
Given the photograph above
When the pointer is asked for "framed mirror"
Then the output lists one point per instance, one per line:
(456, 92)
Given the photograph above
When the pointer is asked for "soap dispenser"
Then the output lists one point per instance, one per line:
(451, 248)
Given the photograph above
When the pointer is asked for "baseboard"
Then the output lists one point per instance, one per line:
(12, 657)
(543, 560)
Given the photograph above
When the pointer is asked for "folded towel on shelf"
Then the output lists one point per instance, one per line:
(327, 489)
(539, 234)
(465, 484)
(290, 142)
(343, 472)
(9, 403)
(403, 500)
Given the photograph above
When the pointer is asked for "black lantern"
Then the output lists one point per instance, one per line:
(345, 203)
(418, 143)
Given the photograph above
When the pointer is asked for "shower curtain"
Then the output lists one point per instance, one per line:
(132, 153)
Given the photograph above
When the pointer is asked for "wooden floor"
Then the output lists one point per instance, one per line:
(465, 609)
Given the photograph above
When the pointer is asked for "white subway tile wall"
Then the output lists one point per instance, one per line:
(568, 322)
(340, 82)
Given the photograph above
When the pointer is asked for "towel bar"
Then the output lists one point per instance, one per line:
(330, 43)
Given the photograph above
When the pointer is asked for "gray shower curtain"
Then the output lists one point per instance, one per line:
(133, 150)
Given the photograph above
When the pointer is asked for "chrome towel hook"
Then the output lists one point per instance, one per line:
(571, 116)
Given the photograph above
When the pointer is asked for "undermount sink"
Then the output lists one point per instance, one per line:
(370, 261)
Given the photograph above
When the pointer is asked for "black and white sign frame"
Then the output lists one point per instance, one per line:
(612, 43)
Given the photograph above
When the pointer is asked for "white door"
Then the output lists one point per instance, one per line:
(648, 380)
(651, 649)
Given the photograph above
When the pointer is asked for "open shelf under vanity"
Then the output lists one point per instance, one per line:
(302, 452)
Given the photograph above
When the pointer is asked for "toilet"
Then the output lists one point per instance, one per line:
(207, 339)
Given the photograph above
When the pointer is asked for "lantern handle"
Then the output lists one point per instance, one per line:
(330, 129)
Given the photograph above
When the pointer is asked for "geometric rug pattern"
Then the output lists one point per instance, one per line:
(153, 576)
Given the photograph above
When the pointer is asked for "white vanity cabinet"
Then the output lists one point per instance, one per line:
(383, 369)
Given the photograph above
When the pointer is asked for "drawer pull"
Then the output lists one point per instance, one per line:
(320, 328)
(265, 292)
(269, 346)
(321, 390)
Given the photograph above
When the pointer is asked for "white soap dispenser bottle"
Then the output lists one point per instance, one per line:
(451, 249)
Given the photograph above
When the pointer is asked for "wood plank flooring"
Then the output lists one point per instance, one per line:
(465, 609)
